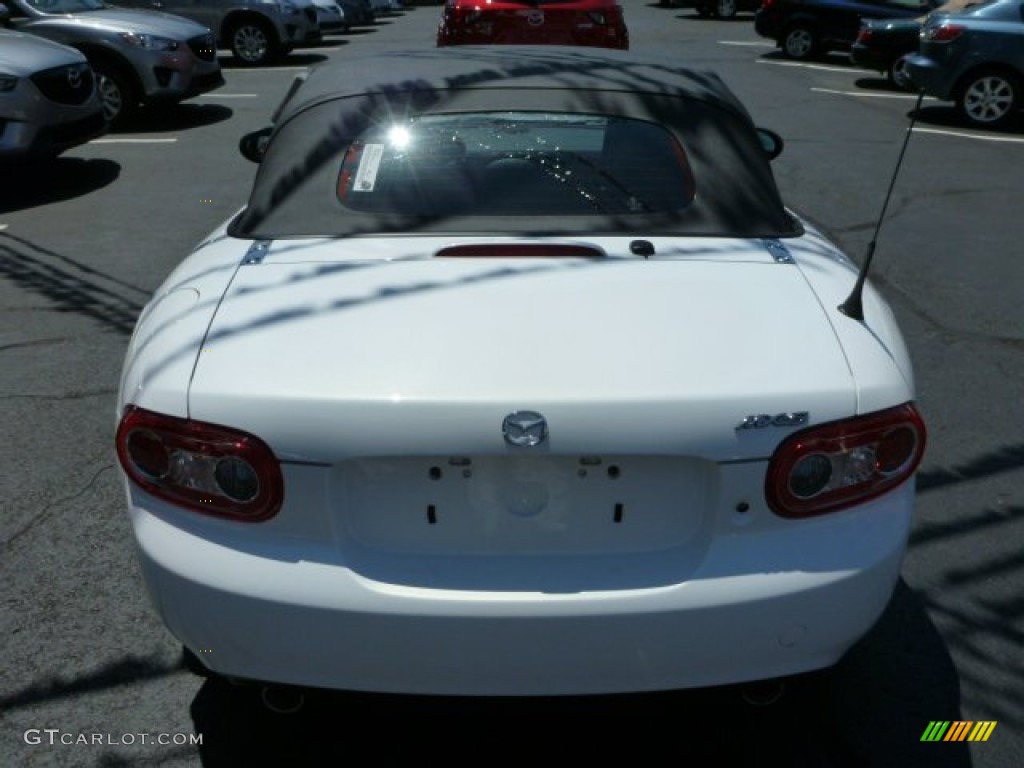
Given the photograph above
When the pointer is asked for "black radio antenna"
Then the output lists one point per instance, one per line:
(854, 305)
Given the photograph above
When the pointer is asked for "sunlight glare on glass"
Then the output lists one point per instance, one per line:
(399, 136)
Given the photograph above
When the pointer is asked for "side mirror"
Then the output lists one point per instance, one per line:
(771, 142)
(253, 146)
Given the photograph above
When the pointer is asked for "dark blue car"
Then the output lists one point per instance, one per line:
(805, 29)
(975, 58)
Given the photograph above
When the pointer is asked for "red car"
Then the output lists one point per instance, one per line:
(597, 23)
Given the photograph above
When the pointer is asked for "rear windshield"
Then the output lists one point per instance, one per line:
(515, 164)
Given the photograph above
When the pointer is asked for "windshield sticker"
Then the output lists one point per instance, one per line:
(369, 165)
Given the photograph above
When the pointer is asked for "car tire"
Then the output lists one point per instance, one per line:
(253, 43)
(725, 9)
(898, 74)
(800, 42)
(989, 98)
(117, 92)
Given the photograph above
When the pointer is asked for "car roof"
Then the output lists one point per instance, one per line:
(292, 195)
(496, 68)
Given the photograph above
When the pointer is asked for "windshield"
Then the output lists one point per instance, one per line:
(65, 6)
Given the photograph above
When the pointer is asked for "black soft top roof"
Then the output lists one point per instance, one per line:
(292, 195)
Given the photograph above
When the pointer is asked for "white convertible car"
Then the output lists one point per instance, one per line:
(515, 376)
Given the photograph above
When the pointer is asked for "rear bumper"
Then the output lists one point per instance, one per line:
(870, 58)
(763, 605)
(931, 77)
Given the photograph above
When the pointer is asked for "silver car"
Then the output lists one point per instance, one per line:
(257, 32)
(48, 98)
(139, 57)
(330, 17)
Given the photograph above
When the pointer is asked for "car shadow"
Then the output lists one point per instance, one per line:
(293, 59)
(945, 115)
(330, 40)
(177, 117)
(55, 180)
(880, 83)
(363, 29)
(869, 710)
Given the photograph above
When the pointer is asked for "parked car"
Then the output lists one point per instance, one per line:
(806, 29)
(256, 32)
(975, 58)
(599, 23)
(725, 9)
(330, 17)
(48, 98)
(885, 44)
(359, 13)
(140, 58)
(387, 7)
(491, 378)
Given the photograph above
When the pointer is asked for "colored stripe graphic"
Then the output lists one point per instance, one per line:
(958, 730)
(982, 730)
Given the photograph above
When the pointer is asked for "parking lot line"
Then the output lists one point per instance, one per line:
(871, 94)
(227, 96)
(977, 136)
(804, 65)
(128, 140)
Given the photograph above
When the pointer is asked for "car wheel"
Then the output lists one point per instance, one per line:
(116, 91)
(253, 44)
(989, 98)
(725, 9)
(899, 75)
(800, 42)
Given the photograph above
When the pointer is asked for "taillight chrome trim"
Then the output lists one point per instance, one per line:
(844, 439)
(194, 450)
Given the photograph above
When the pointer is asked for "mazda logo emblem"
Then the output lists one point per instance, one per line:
(74, 78)
(535, 18)
(524, 429)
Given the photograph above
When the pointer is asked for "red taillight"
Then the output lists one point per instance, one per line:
(864, 35)
(207, 468)
(944, 33)
(767, 5)
(837, 465)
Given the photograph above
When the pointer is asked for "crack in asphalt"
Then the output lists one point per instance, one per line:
(81, 395)
(44, 513)
(1014, 343)
(34, 343)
